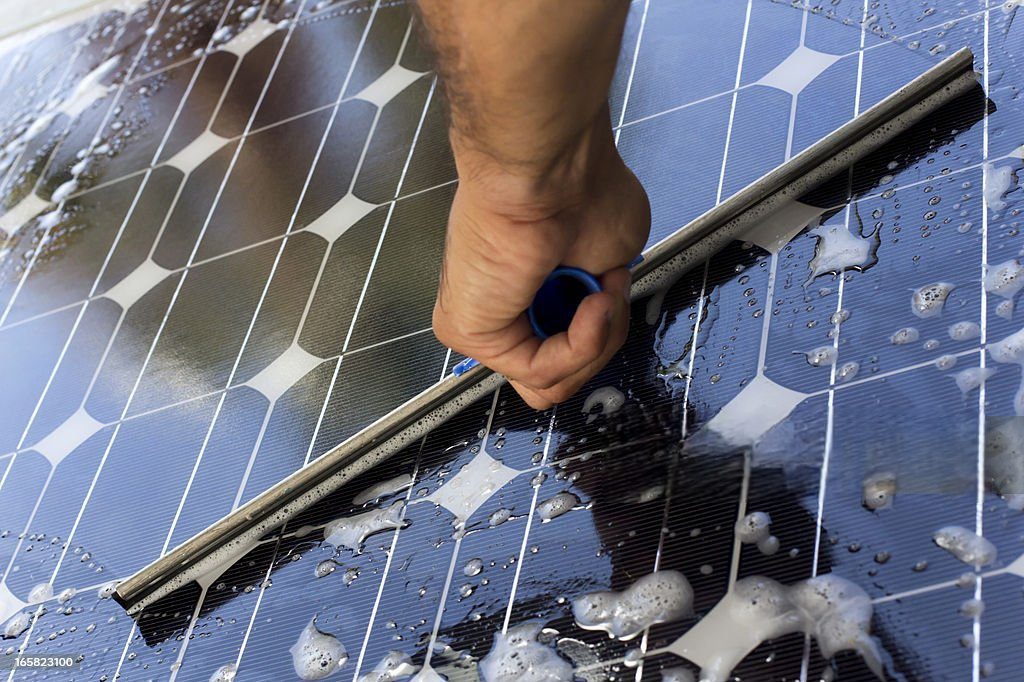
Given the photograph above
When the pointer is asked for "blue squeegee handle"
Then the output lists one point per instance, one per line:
(555, 303)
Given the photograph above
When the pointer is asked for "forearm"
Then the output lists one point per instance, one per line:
(527, 82)
(540, 184)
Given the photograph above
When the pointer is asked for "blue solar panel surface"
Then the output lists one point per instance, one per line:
(222, 229)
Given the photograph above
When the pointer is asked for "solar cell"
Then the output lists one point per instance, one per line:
(240, 276)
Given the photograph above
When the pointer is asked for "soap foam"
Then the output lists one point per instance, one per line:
(17, 625)
(317, 654)
(879, 489)
(678, 674)
(396, 665)
(40, 593)
(769, 545)
(517, 656)
(1004, 459)
(753, 527)
(225, 673)
(383, 489)
(835, 611)
(644, 495)
(972, 608)
(998, 182)
(966, 545)
(971, 378)
(929, 300)
(1009, 350)
(64, 190)
(838, 249)
(351, 531)
(661, 597)
(106, 591)
(427, 674)
(964, 331)
(608, 397)
(1005, 279)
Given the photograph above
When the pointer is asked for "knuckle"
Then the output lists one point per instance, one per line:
(443, 332)
(541, 381)
(559, 394)
(591, 349)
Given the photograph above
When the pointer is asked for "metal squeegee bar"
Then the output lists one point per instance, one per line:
(231, 537)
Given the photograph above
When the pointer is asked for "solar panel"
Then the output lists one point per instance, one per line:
(220, 260)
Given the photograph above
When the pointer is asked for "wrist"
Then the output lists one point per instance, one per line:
(534, 182)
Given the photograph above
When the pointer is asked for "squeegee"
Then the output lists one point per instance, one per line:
(228, 539)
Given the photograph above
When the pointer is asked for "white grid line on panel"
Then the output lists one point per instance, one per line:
(134, 64)
(93, 142)
(394, 539)
(259, 600)
(529, 522)
(78, 319)
(891, 373)
(370, 269)
(741, 511)
(61, 83)
(323, 261)
(337, 368)
(96, 281)
(924, 589)
(455, 550)
(199, 238)
(765, 327)
(252, 322)
(738, 88)
(836, 331)
(979, 513)
(52, 376)
(933, 587)
(670, 473)
(107, 182)
(199, 262)
(167, 67)
(701, 303)
(741, 505)
(629, 80)
(163, 323)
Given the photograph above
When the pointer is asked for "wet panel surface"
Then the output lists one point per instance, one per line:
(221, 229)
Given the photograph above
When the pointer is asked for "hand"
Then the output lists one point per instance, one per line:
(508, 229)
